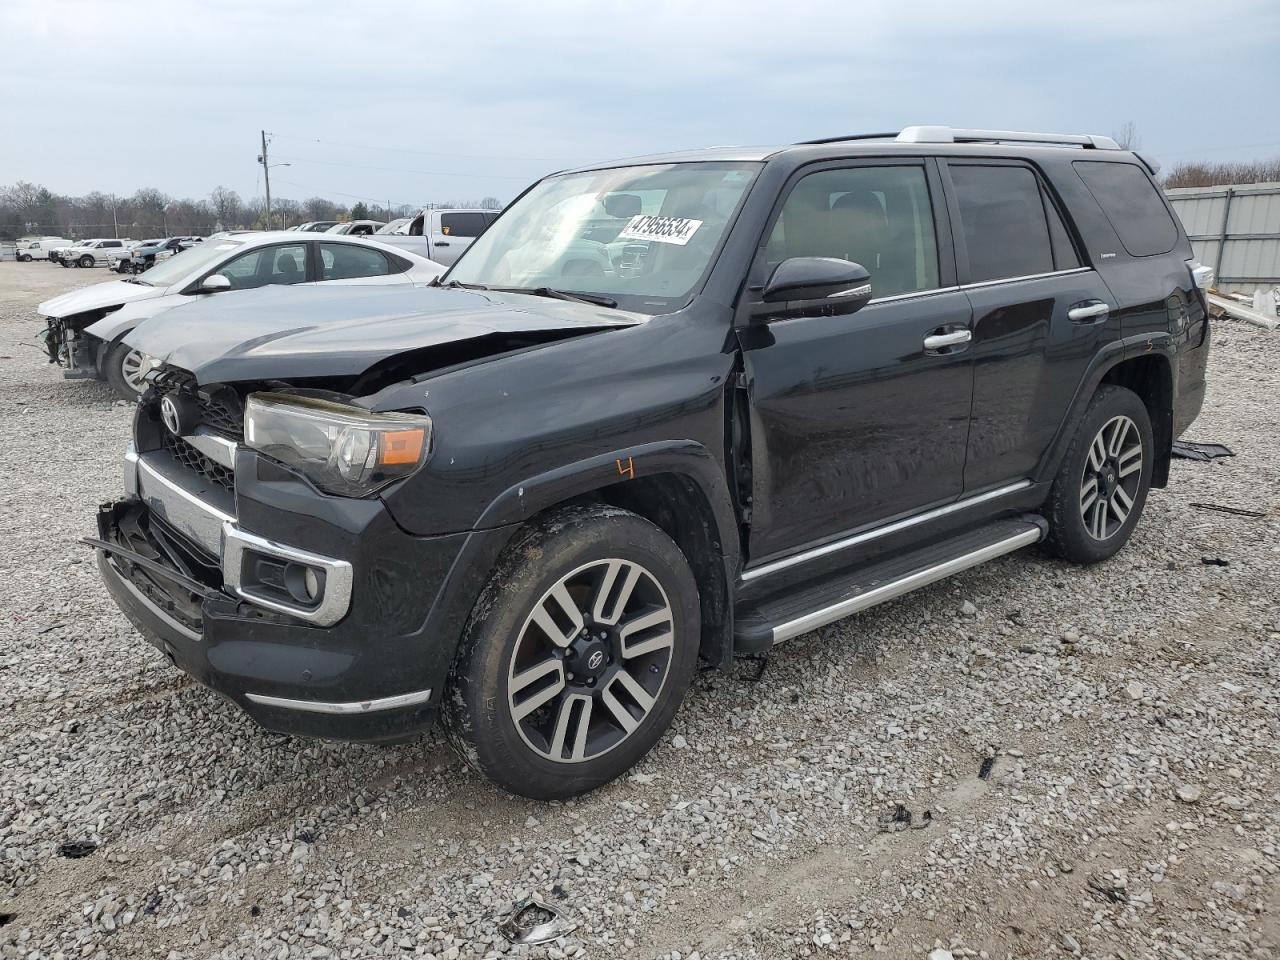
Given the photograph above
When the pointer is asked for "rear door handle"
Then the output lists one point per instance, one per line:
(1088, 312)
(936, 341)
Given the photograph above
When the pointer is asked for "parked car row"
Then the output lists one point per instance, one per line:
(148, 253)
(659, 411)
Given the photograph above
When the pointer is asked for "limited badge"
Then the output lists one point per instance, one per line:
(677, 230)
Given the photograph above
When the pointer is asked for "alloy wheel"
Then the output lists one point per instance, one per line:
(591, 661)
(1111, 478)
(131, 371)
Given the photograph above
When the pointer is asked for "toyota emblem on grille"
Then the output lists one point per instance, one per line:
(178, 414)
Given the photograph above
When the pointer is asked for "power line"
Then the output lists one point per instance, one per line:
(429, 153)
(425, 173)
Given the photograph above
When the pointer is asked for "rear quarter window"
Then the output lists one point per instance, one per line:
(1132, 204)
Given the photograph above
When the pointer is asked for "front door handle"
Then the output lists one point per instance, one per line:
(936, 341)
(1089, 312)
(441, 243)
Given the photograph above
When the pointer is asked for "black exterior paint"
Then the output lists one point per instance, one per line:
(844, 423)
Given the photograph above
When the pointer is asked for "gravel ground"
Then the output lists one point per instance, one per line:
(1087, 758)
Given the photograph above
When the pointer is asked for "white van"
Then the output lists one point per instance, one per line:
(37, 248)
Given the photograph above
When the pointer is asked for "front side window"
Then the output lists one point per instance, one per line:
(1003, 218)
(1132, 204)
(265, 266)
(877, 216)
(643, 236)
(345, 261)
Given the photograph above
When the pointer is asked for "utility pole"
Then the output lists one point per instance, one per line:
(266, 176)
(114, 223)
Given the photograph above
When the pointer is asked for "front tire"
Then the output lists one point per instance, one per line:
(25, 258)
(577, 654)
(1102, 484)
(86, 261)
(121, 367)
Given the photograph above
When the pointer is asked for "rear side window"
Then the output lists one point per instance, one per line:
(463, 224)
(345, 261)
(1003, 215)
(1132, 204)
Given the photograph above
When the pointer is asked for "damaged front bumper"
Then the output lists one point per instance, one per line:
(316, 615)
(72, 349)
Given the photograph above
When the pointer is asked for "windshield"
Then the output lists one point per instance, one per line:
(395, 226)
(643, 236)
(180, 266)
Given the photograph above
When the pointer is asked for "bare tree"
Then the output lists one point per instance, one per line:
(1127, 136)
(1200, 174)
(226, 206)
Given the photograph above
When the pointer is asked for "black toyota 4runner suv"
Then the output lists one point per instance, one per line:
(663, 410)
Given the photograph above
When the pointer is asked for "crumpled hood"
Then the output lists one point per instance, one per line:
(113, 293)
(282, 333)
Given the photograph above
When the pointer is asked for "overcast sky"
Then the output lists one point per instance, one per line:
(417, 100)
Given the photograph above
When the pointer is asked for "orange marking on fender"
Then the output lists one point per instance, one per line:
(628, 471)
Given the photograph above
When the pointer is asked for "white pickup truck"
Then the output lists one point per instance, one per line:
(93, 252)
(441, 235)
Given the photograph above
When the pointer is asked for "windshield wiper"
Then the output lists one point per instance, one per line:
(456, 285)
(597, 299)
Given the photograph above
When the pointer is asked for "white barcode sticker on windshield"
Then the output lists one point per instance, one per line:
(679, 230)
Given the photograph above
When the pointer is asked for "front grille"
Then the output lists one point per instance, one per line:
(193, 459)
(221, 408)
(222, 411)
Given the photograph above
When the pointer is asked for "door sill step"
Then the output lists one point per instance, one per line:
(847, 592)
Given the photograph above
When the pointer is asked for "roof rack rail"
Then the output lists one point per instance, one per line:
(957, 135)
(852, 136)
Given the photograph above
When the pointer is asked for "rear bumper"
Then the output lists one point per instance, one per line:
(374, 673)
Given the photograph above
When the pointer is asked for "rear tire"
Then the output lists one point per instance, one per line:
(577, 654)
(1102, 484)
(121, 367)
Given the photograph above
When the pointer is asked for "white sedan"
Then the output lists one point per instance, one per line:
(85, 327)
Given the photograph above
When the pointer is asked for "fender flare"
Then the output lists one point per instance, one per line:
(1106, 359)
(686, 458)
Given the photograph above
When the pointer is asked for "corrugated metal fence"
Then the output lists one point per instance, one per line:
(1235, 230)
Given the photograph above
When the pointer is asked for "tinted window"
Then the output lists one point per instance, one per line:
(344, 261)
(1002, 215)
(879, 217)
(463, 224)
(1064, 252)
(1132, 204)
(267, 265)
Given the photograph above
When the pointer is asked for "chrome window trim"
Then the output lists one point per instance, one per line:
(910, 296)
(156, 611)
(889, 591)
(338, 577)
(1030, 276)
(345, 709)
(896, 527)
(214, 446)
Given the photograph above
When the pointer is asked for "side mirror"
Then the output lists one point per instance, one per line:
(841, 285)
(215, 282)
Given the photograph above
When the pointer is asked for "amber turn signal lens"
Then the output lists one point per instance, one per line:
(399, 447)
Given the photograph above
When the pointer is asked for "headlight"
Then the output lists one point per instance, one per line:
(342, 449)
